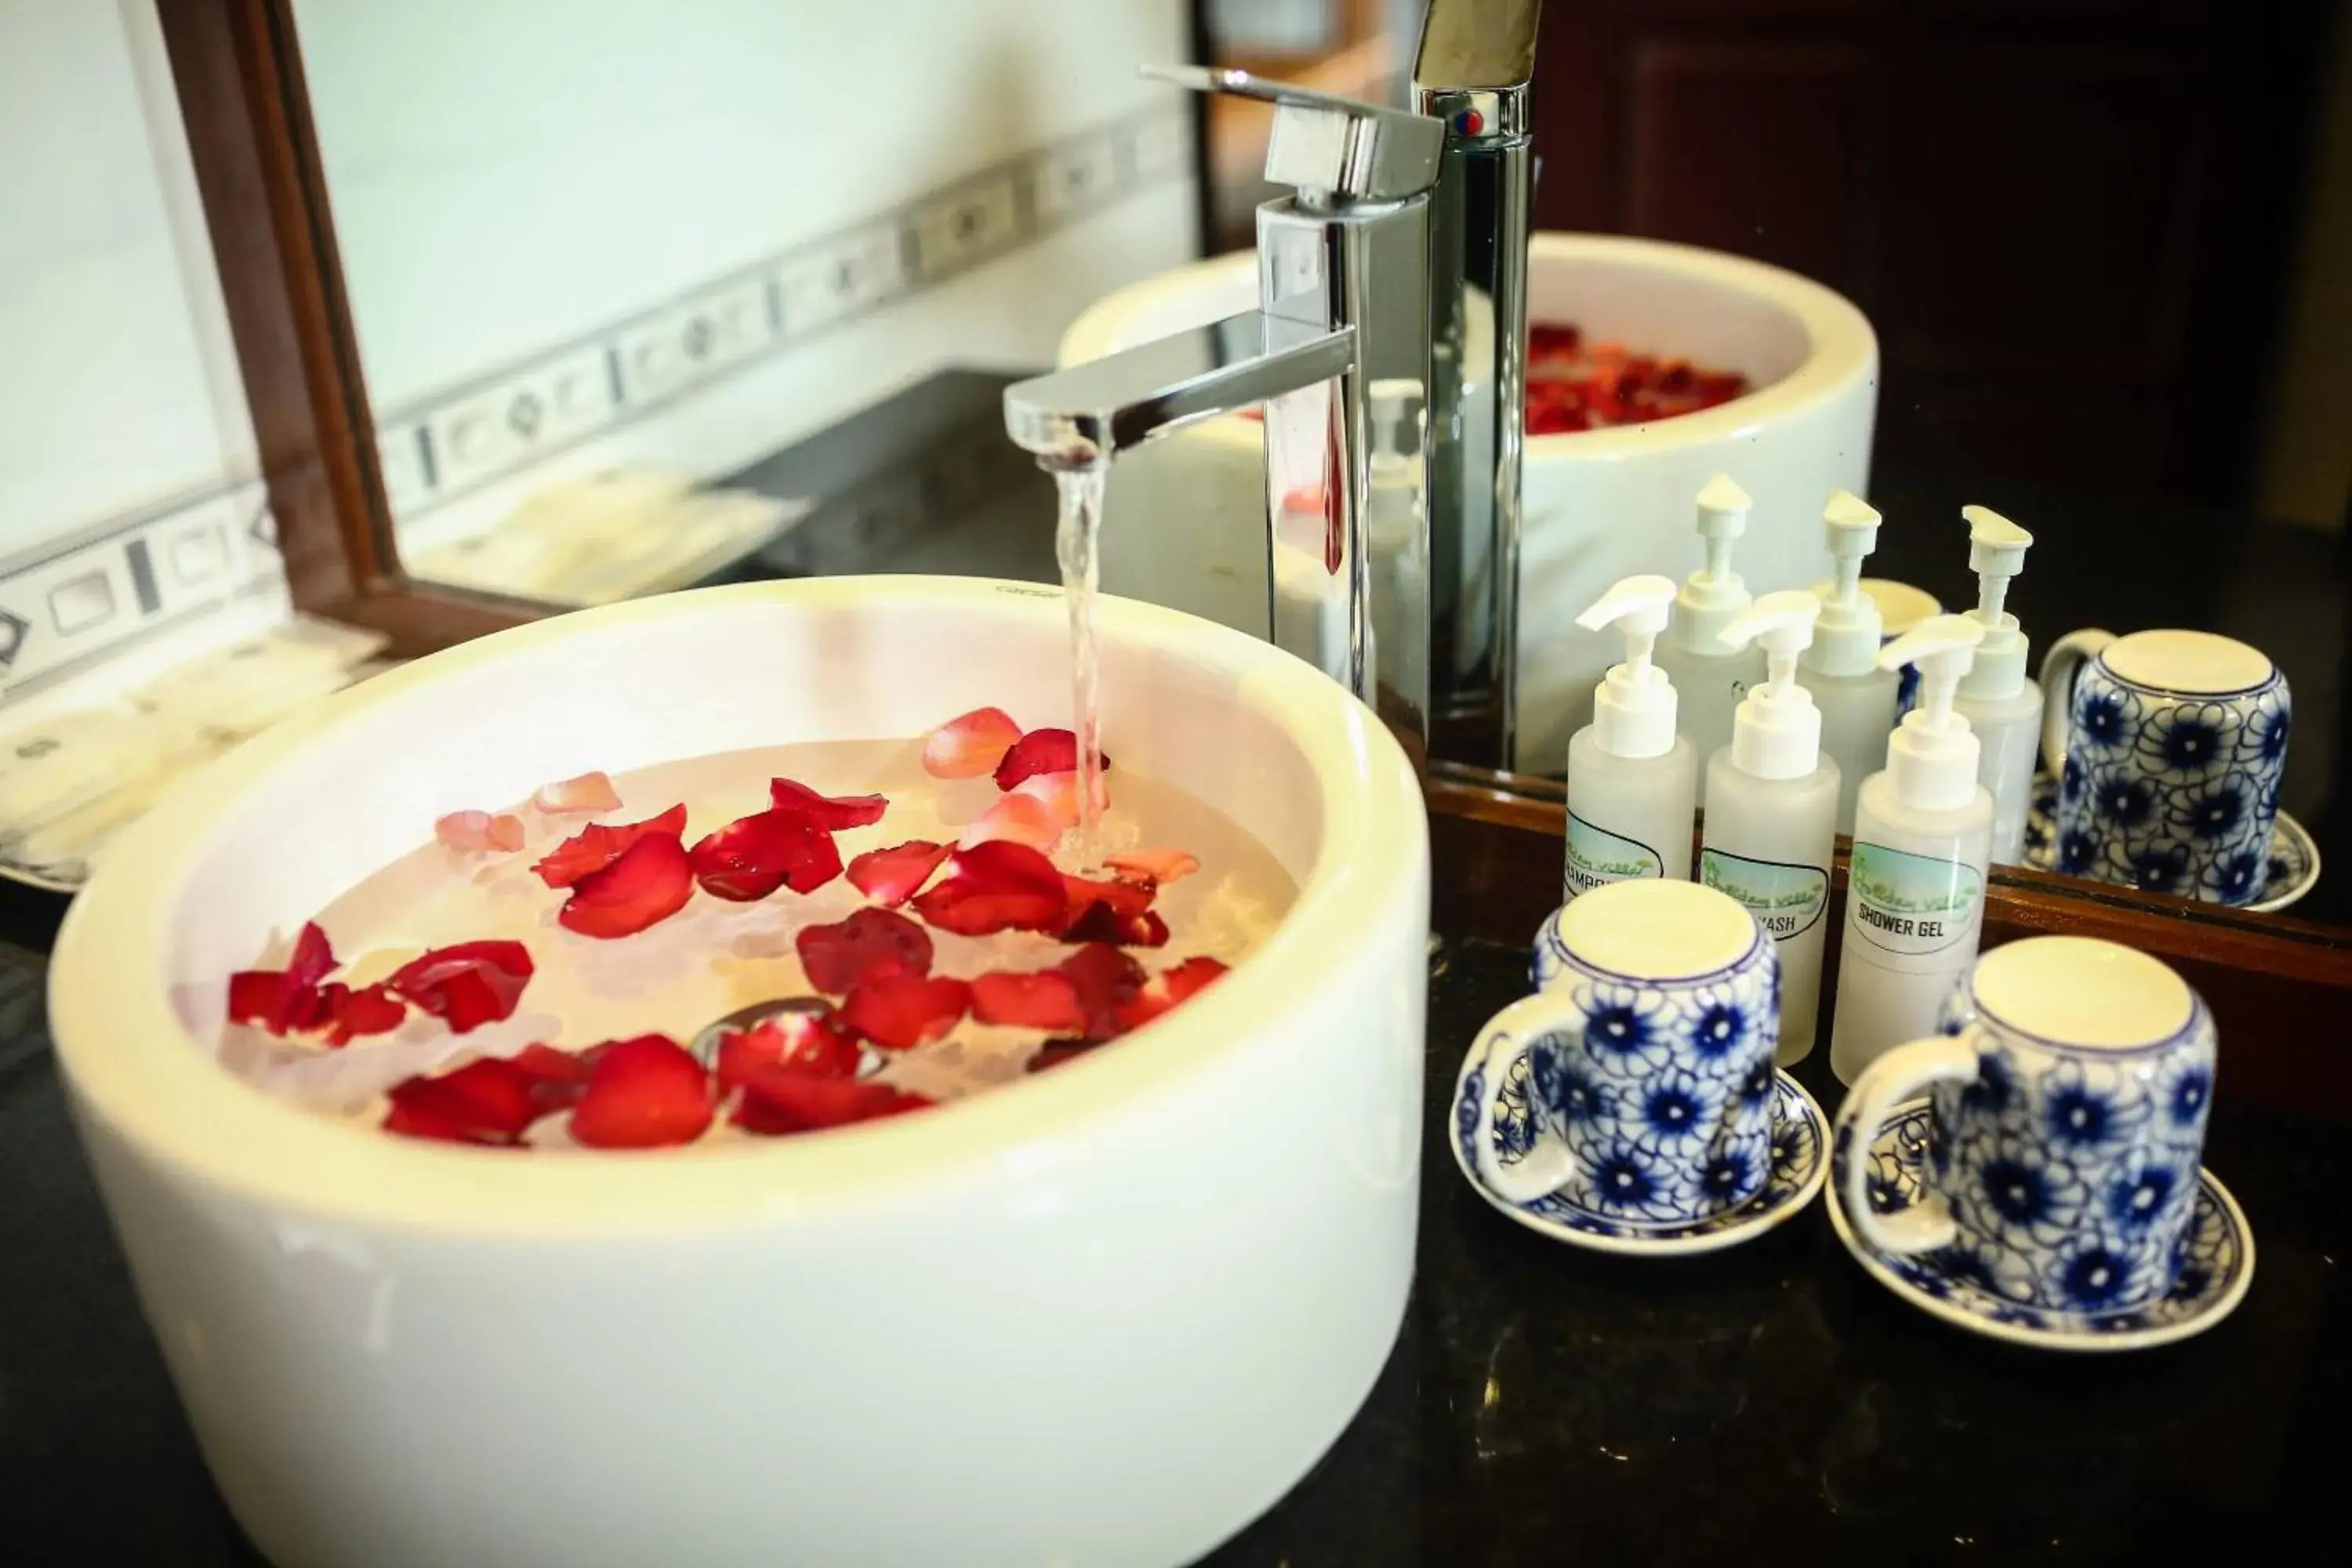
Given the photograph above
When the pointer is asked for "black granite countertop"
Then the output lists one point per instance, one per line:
(1543, 1406)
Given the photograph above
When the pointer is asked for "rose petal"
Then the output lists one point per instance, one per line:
(468, 832)
(1016, 819)
(899, 1011)
(588, 792)
(1058, 793)
(506, 833)
(1040, 752)
(650, 882)
(870, 945)
(484, 1101)
(1127, 900)
(558, 1078)
(643, 1093)
(1102, 923)
(996, 886)
(784, 1103)
(596, 846)
(810, 1044)
(267, 999)
(1046, 1000)
(971, 744)
(890, 876)
(1171, 986)
(1054, 1053)
(754, 856)
(1106, 979)
(1154, 865)
(832, 814)
(466, 984)
(313, 958)
(369, 1010)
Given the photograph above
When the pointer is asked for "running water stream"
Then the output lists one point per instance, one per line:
(1074, 537)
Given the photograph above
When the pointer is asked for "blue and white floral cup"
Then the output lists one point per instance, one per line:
(2168, 747)
(2069, 1090)
(1649, 1051)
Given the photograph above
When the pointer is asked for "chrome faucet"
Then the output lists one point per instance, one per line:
(1340, 335)
(1354, 314)
(1472, 71)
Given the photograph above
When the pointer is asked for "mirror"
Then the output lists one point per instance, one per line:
(650, 294)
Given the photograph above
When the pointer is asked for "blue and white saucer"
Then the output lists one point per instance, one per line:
(2294, 856)
(2217, 1249)
(1801, 1141)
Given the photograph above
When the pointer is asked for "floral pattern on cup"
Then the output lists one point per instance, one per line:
(1662, 1091)
(2070, 1175)
(2171, 792)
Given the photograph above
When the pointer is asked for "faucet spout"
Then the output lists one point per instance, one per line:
(1091, 412)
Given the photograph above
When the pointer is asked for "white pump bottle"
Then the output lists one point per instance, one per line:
(1856, 697)
(1771, 811)
(1710, 674)
(2003, 709)
(1630, 775)
(1915, 888)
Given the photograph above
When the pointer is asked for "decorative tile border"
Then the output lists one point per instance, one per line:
(66, 606)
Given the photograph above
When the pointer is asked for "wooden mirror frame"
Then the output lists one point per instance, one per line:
(237, 65)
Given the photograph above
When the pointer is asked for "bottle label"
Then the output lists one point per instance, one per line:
(1596, 856)
(1913, 904)
(1786, 899)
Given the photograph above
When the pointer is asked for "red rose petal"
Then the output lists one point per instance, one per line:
(899, 1011)
(558, 1078)
(484, 1101)
(506, 833)
(596, 847)
(1154, 865)
(754, 856)
(313, 959)
(1127, 899)
(588, 792)
(810, 1044)
(643, 1093)
(650, 882)
(1040, 752)
(369, 1010)
(1105, 979)
(1017, 819)
(1058, 793)
(267, 999)
(1046, 1000)
(467, 984)
(970, 745)
(1103, 923)
(468, 832)
(832, 814)
(783, 1103)
(1054, 1053)
(890, 876)
(1171, 986)
(992, 887)
(870, 945)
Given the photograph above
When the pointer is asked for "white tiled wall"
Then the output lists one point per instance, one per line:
(576, 232)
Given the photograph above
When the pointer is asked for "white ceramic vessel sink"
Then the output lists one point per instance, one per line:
(1106, 1315)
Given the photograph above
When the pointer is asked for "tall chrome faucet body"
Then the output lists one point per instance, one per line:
(1340, 353)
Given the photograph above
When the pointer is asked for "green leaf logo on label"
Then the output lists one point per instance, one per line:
(1912, 903)
(1596, 856)
(1785, 898)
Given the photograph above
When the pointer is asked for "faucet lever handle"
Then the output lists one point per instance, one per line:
(1324, 143)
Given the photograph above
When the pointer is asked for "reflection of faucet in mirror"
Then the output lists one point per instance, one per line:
(1357, 285)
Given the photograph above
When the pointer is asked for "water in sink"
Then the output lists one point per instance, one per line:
(714, 957)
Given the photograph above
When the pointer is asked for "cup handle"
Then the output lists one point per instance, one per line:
(1506, 1036)
(1893, 1078)
(2059, 667)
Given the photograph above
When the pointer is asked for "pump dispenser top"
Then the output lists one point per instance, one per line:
(1845, 642)
(1777, 731)
(1633, 706)
(1931, 757)
(1996, 553)
(1712, 597)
